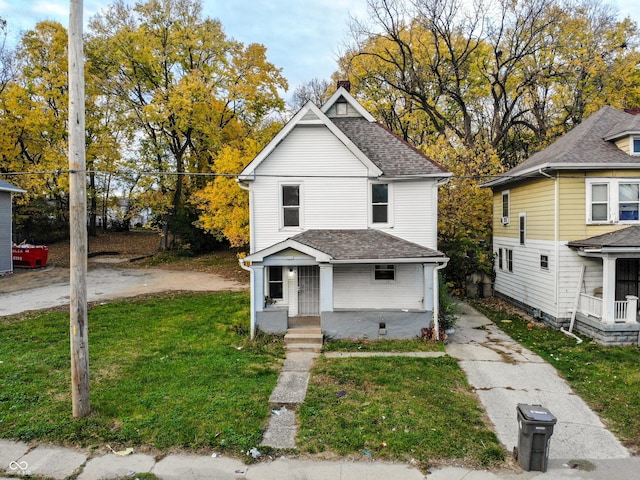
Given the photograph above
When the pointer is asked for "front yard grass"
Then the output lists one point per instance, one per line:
(177, 371)
(169, 371)
(607, 378)
(395, 408)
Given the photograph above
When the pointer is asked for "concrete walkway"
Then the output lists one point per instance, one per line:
(504, 374)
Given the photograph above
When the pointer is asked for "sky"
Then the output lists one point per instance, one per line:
(303, 37)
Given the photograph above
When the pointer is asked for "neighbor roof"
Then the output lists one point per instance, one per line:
(628, 237)
(584, 147)
(7, 187)
(369, 244)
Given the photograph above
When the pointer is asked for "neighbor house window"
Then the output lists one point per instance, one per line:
(629, 198)
(500, 259)
(275, 283)
(384, 272)
(599, 202)
(636, 145)
(380, 203)
(544, 262)
(506, 207)
(523, 227)
(509, 259)
(290, 205)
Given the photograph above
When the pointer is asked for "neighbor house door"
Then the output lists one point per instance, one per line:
(309, 290)
(627, 277)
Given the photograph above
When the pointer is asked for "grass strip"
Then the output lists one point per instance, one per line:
(606, 378)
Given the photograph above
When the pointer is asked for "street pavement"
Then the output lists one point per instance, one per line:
(502, 372)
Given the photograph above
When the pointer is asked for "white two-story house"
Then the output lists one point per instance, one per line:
(343, 226)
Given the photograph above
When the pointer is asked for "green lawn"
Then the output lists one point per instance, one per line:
(607, 378)
(395, 408)
(170, 371)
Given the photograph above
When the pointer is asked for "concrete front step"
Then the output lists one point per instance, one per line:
(299, 337)
(299, 322)
(304, 347)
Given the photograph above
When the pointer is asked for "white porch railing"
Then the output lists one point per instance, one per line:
(624, 311)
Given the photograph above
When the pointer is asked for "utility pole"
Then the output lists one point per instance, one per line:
(79, 328)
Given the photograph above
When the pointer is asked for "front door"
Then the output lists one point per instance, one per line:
(309, 290)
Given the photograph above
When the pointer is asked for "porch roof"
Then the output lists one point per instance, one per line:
(354, 246)
(367, 244)
(619, 240)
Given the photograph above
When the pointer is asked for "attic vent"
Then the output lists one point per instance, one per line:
(346, 84)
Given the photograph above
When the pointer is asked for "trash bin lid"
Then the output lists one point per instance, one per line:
(536, 413)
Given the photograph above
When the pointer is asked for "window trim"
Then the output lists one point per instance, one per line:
(379, 268)
(509, 255)
(282, 207)
(389, 204)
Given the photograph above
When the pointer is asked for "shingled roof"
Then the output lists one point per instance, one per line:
(625, 238)
(390, 153)
(369, 244)
(584, 147)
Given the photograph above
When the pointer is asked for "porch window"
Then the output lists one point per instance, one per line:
(290, 205)
(384, 272)
(599, 202)
(629, 201)
(275, 283)
(380, 203)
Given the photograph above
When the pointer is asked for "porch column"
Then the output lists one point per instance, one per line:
(608, 289)
(326, 287)
(427, 286)
(257, 290)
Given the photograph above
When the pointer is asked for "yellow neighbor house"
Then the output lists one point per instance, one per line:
(566, 229)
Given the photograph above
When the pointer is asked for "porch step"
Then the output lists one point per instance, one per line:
(304, 339)
(299, 322)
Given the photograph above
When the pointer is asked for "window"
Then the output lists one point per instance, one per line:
(544, 262)
(341, 107)
(599, 202)
(506, 207)
(506, 262)
(380, 203)
(523, 227)
(290, 205)
(636, 145)
(613, 200)
(500, 256)
(384, 272)
(509, 259)
(275, 283)
(629, 199)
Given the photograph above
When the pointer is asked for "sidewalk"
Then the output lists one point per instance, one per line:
(502, 372)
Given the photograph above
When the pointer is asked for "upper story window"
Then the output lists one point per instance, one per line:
(290, 201)
(635, 145)
(506, 207)
(379, 203)
(613, 200)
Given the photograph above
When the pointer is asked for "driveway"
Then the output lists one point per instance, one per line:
(49, 288)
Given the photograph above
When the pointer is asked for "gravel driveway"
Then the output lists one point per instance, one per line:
(48, 289)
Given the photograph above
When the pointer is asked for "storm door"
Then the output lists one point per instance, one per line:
(309, 290)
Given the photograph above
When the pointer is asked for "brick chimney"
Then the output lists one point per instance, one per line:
(633, 111)
(346, 84)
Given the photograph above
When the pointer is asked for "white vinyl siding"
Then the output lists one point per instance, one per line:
(415, 214)
(354, 287)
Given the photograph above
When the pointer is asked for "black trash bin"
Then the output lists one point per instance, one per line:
(535, 427)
